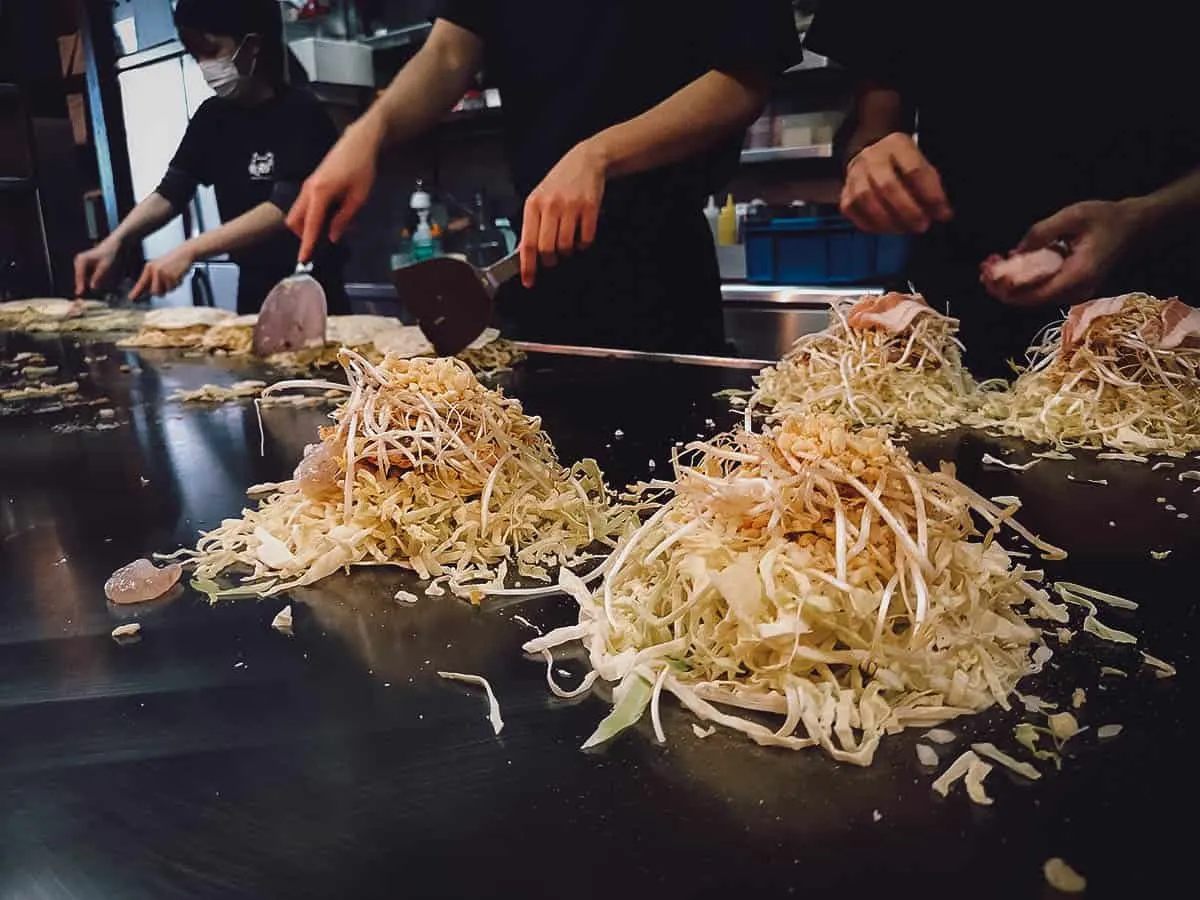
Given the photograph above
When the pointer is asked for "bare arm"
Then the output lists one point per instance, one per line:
(148, 216)
(428, 87)
(420, 94)
(163, 275)
(248, 228)
(1177, 203)
(878, 112)
(890, 187)
(92, 266)
(1100, 233)
(691, 120)
(562, 212)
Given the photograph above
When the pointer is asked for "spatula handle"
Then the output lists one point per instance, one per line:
(499, 272)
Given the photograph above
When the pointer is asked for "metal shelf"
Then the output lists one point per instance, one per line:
(8, 184)
(783, 154)
(399, 37)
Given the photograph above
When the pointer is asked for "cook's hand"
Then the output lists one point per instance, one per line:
(891, 188)
(561, 213)
(343, 179)
(163, 275)
(92, 266)
(1098, 233)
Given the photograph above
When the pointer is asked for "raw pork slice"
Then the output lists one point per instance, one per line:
(1180, 324)
(892, 312)
(1082, 315)
(1020, 270)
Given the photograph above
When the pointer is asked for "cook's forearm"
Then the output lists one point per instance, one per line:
(148, 216)
(1173, 205)
(878, 112)
(427, 87)
(244, 231)
(691, 120)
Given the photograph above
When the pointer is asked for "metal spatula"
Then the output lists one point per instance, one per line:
(451, 298)
(293, 315)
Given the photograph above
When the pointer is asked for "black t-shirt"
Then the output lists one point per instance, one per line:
(569, 70)
(253, 155)
(1025, 108)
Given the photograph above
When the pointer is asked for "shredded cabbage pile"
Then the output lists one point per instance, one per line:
(815, 573)
(1116, 389)
(495, 356)
(871, 376)
(447, 478)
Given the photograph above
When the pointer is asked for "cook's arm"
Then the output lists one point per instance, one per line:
(163, 275)
(1099, 234)
(1173, 205)
(237, 234)
(92, 266)
(878, 111)
(428, 87)
(561, 213)
(693, 119)
(148, 216)
(890, 187)
(420, 94)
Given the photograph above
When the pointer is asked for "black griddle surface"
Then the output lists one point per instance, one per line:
(217, 758)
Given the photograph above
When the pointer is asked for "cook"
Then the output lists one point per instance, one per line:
(619, 119)
(255, 142)
(1042, 127)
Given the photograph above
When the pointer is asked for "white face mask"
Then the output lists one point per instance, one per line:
(224, 76)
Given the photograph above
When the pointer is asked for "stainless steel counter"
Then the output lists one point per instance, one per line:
(761, 321)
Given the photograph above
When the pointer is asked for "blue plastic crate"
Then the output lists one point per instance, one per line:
(819, 250)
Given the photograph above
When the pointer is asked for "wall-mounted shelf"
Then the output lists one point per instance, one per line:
(398, 37)
(785, 154)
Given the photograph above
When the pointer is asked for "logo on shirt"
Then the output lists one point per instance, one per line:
(262, 165)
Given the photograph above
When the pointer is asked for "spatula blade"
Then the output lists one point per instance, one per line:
(451, 303)
(292, 318)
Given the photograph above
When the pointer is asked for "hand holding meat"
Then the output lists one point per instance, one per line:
(891, 188)
(561, 213)
(163, 275)
(1087, 237)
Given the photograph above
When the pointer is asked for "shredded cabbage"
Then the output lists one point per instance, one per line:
(1162, 668)
(1062, 877)
(954, 772)
(1109, 599)
(427, 469)
(994, 753)
(1092, 625)
(988, 460)
(1063, 726)
(872, 376)
(941, 736)
(977, 771)
(816, 574)
(1117, 389)
(493, 704)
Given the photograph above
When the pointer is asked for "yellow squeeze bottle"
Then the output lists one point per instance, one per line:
(727, 224)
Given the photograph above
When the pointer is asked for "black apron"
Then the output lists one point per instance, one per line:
(649, 282)
(256, 277)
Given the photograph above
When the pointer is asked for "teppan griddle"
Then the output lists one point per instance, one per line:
(218, 758)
